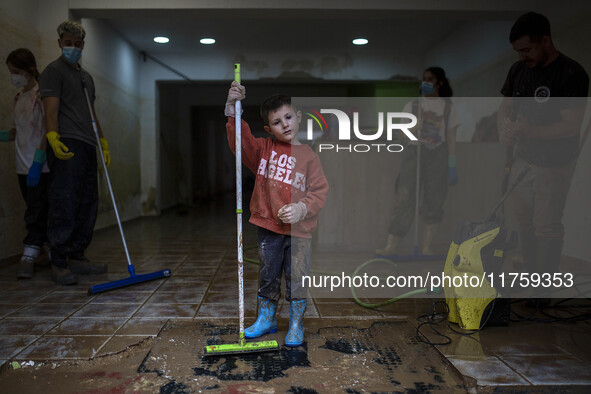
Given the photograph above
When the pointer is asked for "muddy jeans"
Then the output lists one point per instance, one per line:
(282, 253)
(73, 201)
(539, 199)
(36, 213)
(433, 182)
(538, 204)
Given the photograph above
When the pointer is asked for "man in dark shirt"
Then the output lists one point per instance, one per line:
(73, 184)
(545, 133)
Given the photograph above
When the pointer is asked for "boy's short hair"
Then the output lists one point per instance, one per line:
(273, 103)
(531, 24)
(72, 27)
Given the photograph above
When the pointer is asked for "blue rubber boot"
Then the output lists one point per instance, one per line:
(295, 334)
(266, 321)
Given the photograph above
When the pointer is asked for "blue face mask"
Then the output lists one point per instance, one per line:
(72, 54)
(427, 88)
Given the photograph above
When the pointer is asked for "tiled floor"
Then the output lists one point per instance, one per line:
(42, 321)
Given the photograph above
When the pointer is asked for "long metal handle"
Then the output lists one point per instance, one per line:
(237, 117)
(418, 182)
(518, 179)
(130, 267)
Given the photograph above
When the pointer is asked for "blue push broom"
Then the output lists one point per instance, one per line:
(133, 278)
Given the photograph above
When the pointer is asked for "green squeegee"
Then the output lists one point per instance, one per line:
(242, 346)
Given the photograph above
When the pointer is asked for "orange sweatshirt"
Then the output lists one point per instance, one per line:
(284, 174)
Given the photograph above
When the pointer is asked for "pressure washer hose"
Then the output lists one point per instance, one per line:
(357, 299)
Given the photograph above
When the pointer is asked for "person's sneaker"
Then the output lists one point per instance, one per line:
(63, 276)
(26, 267)
(83, 266)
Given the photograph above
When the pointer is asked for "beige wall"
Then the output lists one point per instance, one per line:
(32, 24)
(17, 29)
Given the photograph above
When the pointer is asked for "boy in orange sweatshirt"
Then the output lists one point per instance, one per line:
(290, 190)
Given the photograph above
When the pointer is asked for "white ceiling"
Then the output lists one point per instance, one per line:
(404, 32)
(400, 32)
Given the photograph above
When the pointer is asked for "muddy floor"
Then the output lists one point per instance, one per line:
(352, 356)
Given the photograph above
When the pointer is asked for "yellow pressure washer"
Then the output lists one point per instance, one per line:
(475, 256)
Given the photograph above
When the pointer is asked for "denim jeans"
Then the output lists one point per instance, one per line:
(36, 213)
(73, 200)
(539, 199)
(279, 254)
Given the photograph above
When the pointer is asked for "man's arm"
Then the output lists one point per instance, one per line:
(568, 126)
(51, 107)
(505, 124)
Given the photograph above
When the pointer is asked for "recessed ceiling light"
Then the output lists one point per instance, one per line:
(207, 41)
(161, 40)
(360, 41)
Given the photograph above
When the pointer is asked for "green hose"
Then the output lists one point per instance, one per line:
(387, 302)
(357, 300)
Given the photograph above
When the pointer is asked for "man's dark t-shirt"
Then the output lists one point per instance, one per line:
(63, 81)
(563, 77)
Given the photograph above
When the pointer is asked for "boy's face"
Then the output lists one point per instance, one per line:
(284, 124)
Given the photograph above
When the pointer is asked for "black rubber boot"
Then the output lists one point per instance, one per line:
(63, 276)
(82, 266)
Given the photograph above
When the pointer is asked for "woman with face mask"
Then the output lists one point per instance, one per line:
(437, 125)
(28, 134)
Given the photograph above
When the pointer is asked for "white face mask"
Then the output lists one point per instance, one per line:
(18, 80)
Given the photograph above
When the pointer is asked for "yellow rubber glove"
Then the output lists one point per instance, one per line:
(106, 154)
(60, 150)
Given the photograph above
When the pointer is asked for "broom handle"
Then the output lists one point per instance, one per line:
(417, 193)
(237, 117)
(130, 267)
(418, 180)
(583, 140)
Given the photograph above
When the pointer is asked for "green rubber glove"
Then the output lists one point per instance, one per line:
(4, 135)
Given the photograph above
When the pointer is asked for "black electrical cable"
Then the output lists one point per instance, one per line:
(431, 321)
(552, 318)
